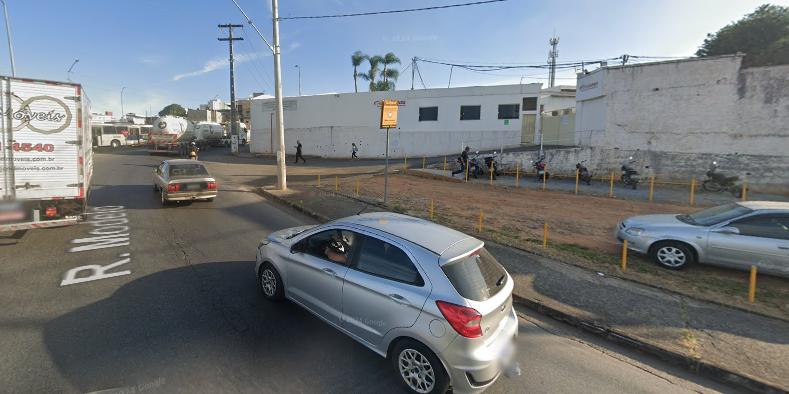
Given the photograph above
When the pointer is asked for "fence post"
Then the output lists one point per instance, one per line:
(544, 177)
(752, 285)
(357, 188)
(745, 191)
(611, 187)
(518, 175)
(545, 235)
(431, 209)
(336, 183)
(651, 187)
(624, 256)
(576, 181)
(318, 182)
(467, 163)
(491, 172)
(693, 191)
(405, 164)
(481, 217)
(445, 163)
(423, 162)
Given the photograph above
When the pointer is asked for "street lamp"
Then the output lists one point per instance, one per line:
(122, 113)
(71, 69)
(299, 67)
(8, 34)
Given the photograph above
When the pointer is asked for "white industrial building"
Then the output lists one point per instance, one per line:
(430, 121)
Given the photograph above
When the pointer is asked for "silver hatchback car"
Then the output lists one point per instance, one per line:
(431, 299)
(735, 235)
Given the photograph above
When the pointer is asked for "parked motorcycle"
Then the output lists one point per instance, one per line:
(630, 176)
(475, 166)
(539, 167)
(491, 164)
(583, 173)
(717, 181)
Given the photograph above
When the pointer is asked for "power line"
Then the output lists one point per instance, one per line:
(271, 48)
(392, 11)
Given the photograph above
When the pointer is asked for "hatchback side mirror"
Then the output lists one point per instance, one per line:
(728, 230)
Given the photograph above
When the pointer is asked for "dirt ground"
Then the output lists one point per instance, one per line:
(580, 231)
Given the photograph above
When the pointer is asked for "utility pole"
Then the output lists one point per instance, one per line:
(552, 55)
(8, 34)
(282, 183)
(230, 39)
(413, 69)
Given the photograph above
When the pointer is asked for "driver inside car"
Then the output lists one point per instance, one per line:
(337, 249)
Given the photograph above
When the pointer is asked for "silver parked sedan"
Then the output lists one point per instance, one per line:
(735, 235)
(429, 298)
(183, 180)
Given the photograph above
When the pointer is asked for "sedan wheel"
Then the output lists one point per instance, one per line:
(270, 282)
(419, 369)
(672, 255)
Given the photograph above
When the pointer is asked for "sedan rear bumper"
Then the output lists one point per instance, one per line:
(188, 196)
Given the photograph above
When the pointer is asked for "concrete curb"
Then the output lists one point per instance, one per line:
(700, 367)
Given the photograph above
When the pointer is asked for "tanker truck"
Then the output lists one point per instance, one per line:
(167, 132)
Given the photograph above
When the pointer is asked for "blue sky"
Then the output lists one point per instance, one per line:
(167, 51)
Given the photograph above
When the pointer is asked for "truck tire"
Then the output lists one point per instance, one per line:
(115, 143)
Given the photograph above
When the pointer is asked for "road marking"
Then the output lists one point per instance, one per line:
(110, 230)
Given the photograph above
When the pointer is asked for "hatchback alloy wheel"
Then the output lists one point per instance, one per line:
(268, 282)
(671, 256)
(416, 371)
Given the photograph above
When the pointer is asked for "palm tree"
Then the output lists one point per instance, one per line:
(356, 60)
(390, 76)
(373, 72)
(388, 59)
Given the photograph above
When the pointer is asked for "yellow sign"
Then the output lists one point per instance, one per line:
(388, 114)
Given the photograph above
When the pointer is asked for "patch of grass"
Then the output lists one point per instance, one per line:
(583, 252)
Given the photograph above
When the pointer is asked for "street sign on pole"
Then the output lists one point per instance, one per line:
(389, 114)
(388, 121)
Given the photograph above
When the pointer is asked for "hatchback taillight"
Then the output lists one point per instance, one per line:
(211, 185)
(173, 187)
(466, 321)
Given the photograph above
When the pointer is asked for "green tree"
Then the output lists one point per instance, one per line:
(388, 60)
(372, 74)
(174, 110)
(762, 35)
(356, 60)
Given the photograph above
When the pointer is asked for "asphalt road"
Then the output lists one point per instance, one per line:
(179, 310)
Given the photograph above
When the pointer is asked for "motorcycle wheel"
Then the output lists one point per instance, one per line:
(711, 186)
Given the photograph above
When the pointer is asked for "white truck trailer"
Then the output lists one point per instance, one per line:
(46, 152)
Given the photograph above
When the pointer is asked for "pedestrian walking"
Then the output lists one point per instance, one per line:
(354, 149)
(298, 153)
(193, 151)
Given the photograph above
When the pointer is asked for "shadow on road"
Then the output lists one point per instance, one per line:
(205, 328)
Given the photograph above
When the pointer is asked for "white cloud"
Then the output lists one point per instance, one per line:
(218, 64)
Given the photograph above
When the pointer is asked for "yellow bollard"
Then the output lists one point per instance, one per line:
(624, 256)
(445, 163)
(651, 187)
(357, 188)
(544, 177)
(405, 164)
(611, 187)
(431, 209)
(336, 183)
(467, 171)
(745, 191)
(491, 173)
(481, 218)
(318, 183)
(752, 285)
(576, 181)
(545, 235)
(517, 175)
(692, 191)
(423, 162)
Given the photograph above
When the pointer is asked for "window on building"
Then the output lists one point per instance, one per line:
(470, 112)
(509, 111)
(530, 103)
(428, 114)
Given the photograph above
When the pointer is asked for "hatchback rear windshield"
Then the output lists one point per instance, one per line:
(185, 170)
(478, 276)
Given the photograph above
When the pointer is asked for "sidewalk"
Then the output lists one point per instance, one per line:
(741, 348)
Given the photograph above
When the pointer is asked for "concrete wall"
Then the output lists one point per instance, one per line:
(327, 124)
(690, 106)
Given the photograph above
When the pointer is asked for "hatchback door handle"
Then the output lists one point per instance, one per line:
(329, 271)
(399, 299)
